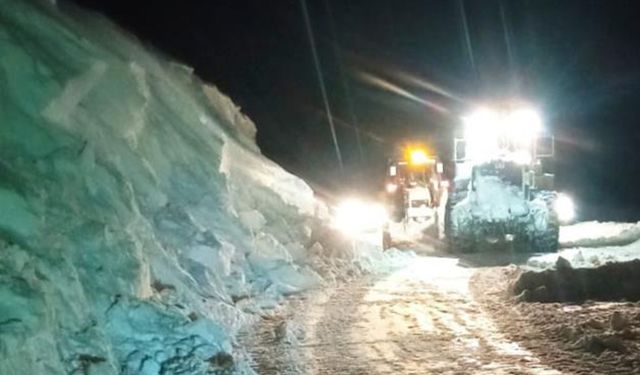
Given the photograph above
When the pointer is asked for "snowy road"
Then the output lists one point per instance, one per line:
(418, 320)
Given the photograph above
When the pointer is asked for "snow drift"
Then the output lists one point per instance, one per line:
(599, 234)
(593, 244)
(139, 224)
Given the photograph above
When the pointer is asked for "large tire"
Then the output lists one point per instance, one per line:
(458, 241)
(546, 241)
(546, 238)
(461, 243)
(452, 199)
(386, 240)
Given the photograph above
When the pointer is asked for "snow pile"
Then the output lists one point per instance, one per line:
(139, 225)
(597, 234)
(610, 282)
(596, 244)
(587, 257)
(589, 337)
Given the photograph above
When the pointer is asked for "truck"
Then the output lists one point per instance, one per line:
(413, 187)
(502, 185)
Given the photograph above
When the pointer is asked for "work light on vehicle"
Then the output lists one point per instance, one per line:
(490, 133)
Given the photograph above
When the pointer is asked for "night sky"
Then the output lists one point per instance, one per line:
(578, 61)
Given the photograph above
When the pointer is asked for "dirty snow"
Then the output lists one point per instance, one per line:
(417, 319)
(588, 338)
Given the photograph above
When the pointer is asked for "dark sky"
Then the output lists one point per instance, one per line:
(578, 61)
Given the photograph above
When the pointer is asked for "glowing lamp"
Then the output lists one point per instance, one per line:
(487, 131)
(418, 157)
(355, 217)
(565, 208)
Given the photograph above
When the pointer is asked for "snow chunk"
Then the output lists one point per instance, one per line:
(15, 217)
(62, 107)
(240, 164)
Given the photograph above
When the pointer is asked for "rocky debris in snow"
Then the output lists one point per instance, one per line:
(594, 324)
(597, 344)
(562, 264)
(618, 321)
(221, 363)
(571, 334)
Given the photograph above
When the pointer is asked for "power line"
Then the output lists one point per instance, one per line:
(323, 90)
(467, 37)
(345, 84)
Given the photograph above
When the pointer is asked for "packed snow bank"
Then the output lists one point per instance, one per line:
(592, 244)
(599, 234)
(139, 225)
(610, 282)
(588, 257)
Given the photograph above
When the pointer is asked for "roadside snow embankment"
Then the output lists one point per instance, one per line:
(614, 281)
(139, 225)
(599, 234)
(593, 244)
(598, 269)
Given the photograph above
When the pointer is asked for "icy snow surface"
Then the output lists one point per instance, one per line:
(139, 225)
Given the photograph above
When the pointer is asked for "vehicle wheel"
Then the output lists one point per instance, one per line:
(546, 229)
(386, 240)
(461, 243)
(456, 240)
(459, 240)
(546, 241)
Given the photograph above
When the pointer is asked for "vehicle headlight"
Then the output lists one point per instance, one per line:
(565, 208)
(485, 130)
(418, 157)
(354, 216)
(523, 125)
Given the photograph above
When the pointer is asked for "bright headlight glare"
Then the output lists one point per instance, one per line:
(481, 123)
(521, 157)
(354, 216)
(523, 125)
(391, 187)
(481, 134)
(419, 157)
(527, 120)
(565, 208)
(485, 130)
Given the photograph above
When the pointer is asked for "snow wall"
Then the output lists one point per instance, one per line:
(139, 225)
